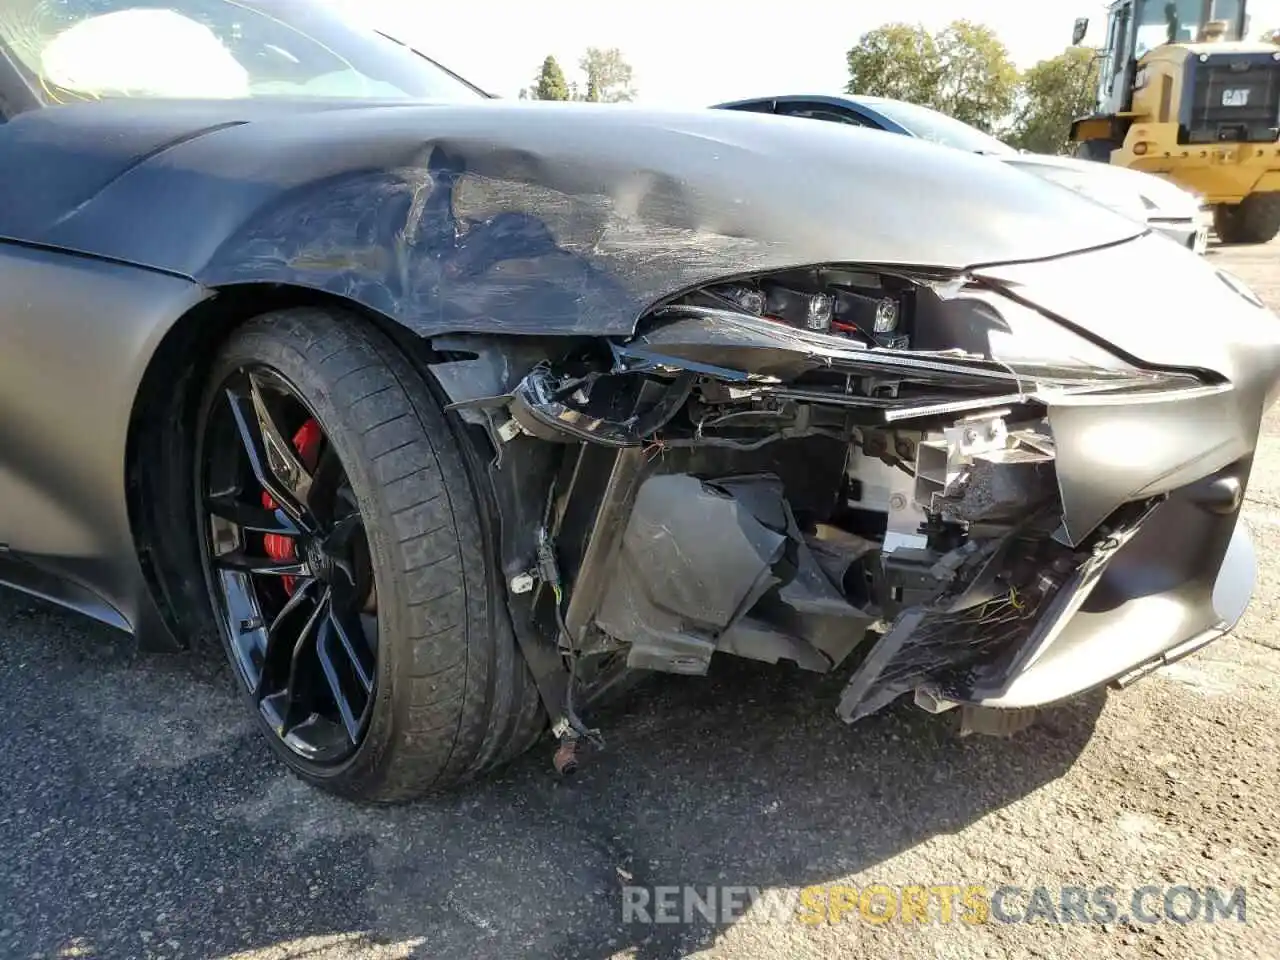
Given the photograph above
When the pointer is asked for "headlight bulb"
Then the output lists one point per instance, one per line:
(747, 299)
(820, 310)
(886, 316)
(809, 311)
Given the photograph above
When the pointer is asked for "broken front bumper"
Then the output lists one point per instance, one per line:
(951, 515)
(678, 556)
(720, 566)
(1172, 581)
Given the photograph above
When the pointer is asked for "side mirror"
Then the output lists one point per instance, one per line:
(1081, 28)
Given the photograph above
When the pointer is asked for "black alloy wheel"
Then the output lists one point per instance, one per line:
(291, 562)
(351, 563)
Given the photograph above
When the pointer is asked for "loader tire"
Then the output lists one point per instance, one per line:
(1256, 220)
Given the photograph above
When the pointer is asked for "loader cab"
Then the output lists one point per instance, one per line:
(1115, 72)
(1182, 95)
(1136, 27)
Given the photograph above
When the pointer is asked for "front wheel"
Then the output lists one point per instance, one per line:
(349, 565)
(1256, 220)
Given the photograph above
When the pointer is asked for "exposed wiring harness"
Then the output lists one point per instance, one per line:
(568, 726)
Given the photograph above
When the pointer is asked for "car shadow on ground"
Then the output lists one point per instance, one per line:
(141, 815)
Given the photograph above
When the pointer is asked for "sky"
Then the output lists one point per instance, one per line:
(692, 53)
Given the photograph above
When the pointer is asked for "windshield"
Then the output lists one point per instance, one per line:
(90, 49)
(1186, 19)
(929, 124)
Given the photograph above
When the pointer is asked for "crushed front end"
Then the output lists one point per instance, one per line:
(921, 477)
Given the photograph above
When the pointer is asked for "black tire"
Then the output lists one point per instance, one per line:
(1096, 150)
(1256, 220)
(452, 697)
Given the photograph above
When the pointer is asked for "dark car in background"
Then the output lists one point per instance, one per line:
(1144, 197)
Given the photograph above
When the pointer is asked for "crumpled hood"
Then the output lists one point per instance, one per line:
(534, 217)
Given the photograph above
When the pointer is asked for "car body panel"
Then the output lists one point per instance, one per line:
(1156, 586)
(512, 217)
(1180, 582)
(1186, 324)
(1172, 200)
(78, 335)
(119, 220)
(1165, 207)
(1143, 197)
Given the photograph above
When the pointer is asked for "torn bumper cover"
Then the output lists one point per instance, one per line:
(991, 503)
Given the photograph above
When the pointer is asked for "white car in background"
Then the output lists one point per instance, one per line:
(1145, 197)
(1163, 206)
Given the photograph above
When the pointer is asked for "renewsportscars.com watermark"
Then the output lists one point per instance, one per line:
(942, 903)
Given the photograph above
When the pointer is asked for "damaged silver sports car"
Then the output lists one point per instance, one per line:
(444, 416)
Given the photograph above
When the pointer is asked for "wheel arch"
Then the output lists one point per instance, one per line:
(160, 442)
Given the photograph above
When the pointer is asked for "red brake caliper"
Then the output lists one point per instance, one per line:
(279, 547)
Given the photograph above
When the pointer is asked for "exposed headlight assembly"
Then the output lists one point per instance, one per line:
(867, 307)
(826, 318)
(827, 350)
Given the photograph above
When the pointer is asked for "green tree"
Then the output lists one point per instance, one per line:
(978, 79)
(898, 61)
(964, 70)
(549, 84)
(1053, 93)
(608, 77)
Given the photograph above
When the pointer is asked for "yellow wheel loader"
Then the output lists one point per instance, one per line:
(1183, 95)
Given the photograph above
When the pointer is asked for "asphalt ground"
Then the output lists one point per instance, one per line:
(140, 816)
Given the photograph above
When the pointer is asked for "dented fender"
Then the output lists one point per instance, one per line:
(558, 219)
